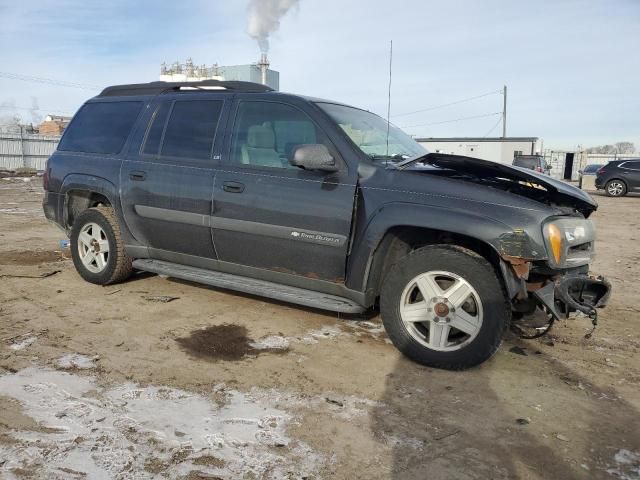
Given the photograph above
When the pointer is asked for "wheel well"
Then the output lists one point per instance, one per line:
(399, 241)
(78, 201)
(617, 180)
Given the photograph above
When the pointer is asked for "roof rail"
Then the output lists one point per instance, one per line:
(156, 88)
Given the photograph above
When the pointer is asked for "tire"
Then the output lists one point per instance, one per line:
(97, 248)
(483, 315)
(615, 188)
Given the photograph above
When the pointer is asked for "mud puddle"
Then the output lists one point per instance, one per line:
(226, 342)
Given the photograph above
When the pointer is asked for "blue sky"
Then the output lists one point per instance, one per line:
(572, 67)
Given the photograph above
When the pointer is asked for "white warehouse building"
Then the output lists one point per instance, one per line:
(496, 149)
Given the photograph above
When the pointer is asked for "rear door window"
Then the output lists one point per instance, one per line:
(100, 127)
(191, 129)
(632, 165)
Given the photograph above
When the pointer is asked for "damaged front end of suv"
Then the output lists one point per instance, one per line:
(545, 266)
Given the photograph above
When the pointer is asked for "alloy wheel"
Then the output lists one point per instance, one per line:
(441, 310)
(93, 247)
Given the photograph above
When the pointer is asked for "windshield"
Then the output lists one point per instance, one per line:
(527, 162)
(369, 132)
(592, 168)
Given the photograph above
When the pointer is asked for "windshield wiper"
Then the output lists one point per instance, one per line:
(412, 160)
(395, 157)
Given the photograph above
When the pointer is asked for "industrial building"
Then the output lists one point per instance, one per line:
(496, 149)
(189, 72)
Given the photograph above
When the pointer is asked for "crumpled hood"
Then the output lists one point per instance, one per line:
(520, 181)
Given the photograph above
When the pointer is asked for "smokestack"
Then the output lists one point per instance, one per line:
(264, 65)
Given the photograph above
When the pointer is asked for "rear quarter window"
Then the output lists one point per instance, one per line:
(101, 127)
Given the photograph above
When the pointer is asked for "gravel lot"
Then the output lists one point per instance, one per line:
(158, 378)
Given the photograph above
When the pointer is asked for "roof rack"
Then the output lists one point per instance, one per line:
(156, 88)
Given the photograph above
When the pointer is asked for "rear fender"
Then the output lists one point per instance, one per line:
(92, 184)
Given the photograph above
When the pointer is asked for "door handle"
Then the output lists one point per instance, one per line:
(137, 176)
(233, 187)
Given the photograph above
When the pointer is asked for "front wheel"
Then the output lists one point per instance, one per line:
(443, 306)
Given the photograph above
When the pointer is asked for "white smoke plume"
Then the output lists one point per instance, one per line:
(264, 19)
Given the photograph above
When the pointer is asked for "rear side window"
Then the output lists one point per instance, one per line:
(100, 127)
(191, 129)
(632, 165)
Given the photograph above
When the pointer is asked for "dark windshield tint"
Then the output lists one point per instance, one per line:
(592, 168)
(191, 129)
(100, 127)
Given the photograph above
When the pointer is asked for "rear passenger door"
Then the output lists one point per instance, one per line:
(271, 215)
(167, 180)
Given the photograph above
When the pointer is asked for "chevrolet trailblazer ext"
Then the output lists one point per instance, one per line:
(309, 201)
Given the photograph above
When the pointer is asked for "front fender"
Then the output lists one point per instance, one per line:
(502, 238)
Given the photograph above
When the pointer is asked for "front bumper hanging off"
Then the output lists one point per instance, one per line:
(574, 293)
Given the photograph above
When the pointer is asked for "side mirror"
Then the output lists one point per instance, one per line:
(313, 157)
(547, 167)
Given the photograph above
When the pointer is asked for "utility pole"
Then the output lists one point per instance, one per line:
(504, 112)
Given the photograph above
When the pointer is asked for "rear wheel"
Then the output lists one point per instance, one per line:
(616, 188)
(97, 248)
(444, 307)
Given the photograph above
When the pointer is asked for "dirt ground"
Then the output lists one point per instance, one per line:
(158, 378)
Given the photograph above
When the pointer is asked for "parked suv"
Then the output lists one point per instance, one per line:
(532, 162)
(619, 177)
(321, 204)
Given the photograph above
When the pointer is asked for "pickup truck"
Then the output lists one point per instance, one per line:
(321, 204)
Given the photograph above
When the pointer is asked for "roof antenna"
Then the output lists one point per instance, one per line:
(389, 101)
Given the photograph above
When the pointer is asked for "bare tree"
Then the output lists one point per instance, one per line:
(618, 148)
(625, 147)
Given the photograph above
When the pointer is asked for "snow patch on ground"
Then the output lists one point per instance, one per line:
(24, 343)
(627, 465)
(75, 360)
(273, 342)
(131, 431)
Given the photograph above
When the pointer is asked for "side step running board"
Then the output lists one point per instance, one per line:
(253, 286)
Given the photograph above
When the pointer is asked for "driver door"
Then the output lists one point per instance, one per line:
(271, 215)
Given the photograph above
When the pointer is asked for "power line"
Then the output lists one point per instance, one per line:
(36, 109)
(47, 81)
(448, 104)
(454, 120)
(493, 128)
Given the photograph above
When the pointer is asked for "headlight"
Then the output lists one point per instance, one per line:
(570, 241)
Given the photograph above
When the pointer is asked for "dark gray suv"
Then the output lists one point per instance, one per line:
(322, 204)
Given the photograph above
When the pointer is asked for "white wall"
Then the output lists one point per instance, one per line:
(496, 151)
